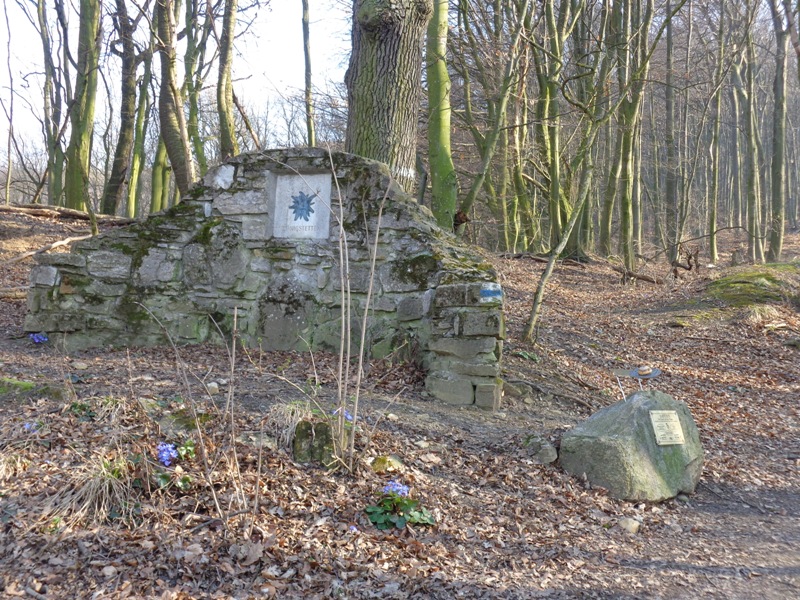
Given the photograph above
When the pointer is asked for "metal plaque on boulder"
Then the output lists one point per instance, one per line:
(302, 206)
(667, 427)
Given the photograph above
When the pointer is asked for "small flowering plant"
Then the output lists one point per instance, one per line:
(395, 509)
(38, 338)
(167, 453)
(347, 416)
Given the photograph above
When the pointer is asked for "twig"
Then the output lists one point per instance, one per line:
(33, 593)
(57, 244)
(14, 292)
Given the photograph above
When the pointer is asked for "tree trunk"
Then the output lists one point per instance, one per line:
(755, 246)
(713, 196)
(778, 200)
(170, 105)
(444, 185)
(52, 94)
(114, 192)
(309, 100)
(78, 158)
(140, 132)
(383, 83)
(160, 178)
(228, 146)
(671, 168)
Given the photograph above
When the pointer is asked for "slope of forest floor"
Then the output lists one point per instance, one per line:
(85, 436)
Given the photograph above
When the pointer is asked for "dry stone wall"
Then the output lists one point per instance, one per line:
(260, 237)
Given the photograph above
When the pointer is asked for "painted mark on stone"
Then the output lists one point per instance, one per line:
(490, 292)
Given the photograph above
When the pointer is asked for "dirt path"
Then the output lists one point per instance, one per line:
(506, 527)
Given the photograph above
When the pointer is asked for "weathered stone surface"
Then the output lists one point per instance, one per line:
(255, 228)
(484, 323)
(247, 240)
(541, 450)
(156, 268)
(220, 177)
(62, 259)
(451, 295)
(616, 448)
(313, 442)
(113, 266)
(465, 348)
(459, 392)
(487, 395)
(45, 276)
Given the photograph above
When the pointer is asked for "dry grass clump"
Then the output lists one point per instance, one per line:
(282, 419)
(101, 489)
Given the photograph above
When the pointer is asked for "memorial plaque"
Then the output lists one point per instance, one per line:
(301, 208)
(667, 427)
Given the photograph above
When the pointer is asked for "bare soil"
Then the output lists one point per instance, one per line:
(506, 527)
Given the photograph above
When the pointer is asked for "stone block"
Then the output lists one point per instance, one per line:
(458, 392)
(156, 268)
(254, 228)
(487, 395)
(246, 202)
(411, 308)
(62, 259)
(50, 322)
(465, 348)
(483, 323)
(109, 265)
(260, 264)
(100, 288)
(469, 369)
(487, 293)
(617, 448)
(45, 276)
(220, 178)
(451, 295)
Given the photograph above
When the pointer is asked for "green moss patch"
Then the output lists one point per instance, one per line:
(762, 284)
(18, 390)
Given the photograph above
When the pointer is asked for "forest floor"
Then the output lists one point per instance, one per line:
(85, 437)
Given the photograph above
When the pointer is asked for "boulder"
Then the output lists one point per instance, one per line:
(617, 448)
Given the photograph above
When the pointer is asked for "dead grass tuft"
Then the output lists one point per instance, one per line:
(102, 489)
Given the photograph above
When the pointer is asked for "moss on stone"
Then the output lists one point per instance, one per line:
(16, 389)
(205, 234)
(415, 270)
(761, 284)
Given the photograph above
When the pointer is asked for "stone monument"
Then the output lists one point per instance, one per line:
(273, 235)
(645, 447)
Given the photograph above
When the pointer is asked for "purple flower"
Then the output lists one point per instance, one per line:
(167, 453)
(395, 487)
(31, 427)
(38, 338)
(347, 415)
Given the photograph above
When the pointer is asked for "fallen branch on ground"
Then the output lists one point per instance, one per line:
(14, 292)
(541, 259)
(627, 273)
(46, 248)
(58, 212)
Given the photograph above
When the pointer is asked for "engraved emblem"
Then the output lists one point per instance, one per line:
(302, 206)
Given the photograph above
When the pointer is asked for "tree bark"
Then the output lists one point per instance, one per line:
(170, 104)
(383, 83)
(444, 185)
(228, 146)
(78, 158)
(114, 192)
(311, 137)
(777, 169)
